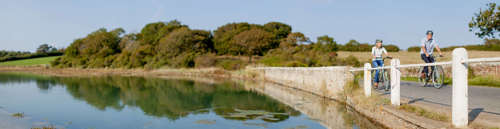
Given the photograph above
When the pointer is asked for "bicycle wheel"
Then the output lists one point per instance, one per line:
(438, 77)
(373, 76)
(420, 79)
(387, 81)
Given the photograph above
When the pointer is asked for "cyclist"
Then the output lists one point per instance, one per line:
(378, 61)
(428, 44)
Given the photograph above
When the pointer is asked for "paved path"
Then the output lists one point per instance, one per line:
(481, 99)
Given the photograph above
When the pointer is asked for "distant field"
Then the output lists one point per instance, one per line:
(414, 57)
(29, 62)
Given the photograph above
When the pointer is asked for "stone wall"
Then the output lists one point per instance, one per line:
(324, 81)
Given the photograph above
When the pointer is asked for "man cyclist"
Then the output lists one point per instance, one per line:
(378, 61)
(428, 44)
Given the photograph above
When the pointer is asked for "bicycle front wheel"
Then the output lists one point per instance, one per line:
(420, 78)
(438, 77)
(387, 81)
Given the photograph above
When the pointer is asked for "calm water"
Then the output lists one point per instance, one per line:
(140, 103)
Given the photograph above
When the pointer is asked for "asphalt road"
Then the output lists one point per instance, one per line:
(486, 99)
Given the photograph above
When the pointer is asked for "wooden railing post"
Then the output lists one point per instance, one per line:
(460, 97)
(368, 80)
(395, 82)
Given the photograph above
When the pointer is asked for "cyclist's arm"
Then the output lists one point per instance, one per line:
(439, 50)
(385, 52)
(425, 51)
(423, 48)
(373, 52)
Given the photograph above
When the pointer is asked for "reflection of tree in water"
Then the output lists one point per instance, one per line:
(169, 98)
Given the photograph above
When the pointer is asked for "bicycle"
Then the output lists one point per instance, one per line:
(383, 77)
(434, 76)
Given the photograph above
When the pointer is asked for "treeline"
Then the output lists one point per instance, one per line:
(489, 45)
(43, 50)
(354, 45)
(172, 44)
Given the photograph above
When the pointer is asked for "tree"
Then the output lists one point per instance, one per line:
(492, 42)
(185, 40)
(293, 39)
(329, 44)
(45, 48)
(280, 30)
(254, 41)
(352, 45)
(486, 22)
(224, 35)
(391, 48)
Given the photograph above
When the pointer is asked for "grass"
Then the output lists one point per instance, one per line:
(424, 113)
(488, 81)
(29, 62)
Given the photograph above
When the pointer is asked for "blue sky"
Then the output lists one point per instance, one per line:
(25, 24)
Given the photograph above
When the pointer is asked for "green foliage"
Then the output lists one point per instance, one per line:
(486, 22)
(414, 49)
(326, 44)
(354, 45)
(172, 44)
(230, 64)
(45, 48)
(204, 61)
(92, 50)
(224, 37)
(279, 30)
(254, 42)
(305, 56)
(391, 48)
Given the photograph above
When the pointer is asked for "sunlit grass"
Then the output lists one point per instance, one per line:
(29, 62)
(424, 113)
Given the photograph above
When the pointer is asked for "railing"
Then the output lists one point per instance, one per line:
(459, 64)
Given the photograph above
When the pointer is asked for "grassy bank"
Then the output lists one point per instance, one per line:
(29, 62)
(488, 81)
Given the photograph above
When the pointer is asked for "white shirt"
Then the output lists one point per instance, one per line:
(429, 45)
(377, 52)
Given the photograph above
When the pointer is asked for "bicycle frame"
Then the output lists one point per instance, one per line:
(383, 78)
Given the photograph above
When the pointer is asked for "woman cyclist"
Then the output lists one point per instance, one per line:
(378, 61)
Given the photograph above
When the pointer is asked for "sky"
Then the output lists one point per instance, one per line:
(25, 24)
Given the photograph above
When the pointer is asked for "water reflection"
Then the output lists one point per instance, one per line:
(157, 97)
(329, 113)
(251, 104)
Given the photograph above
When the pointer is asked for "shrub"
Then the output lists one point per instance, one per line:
(207, 60)
(414, 49)
(231, 64)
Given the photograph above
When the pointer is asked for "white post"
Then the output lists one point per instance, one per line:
(395, 82)
(460, 98)
(368, 80)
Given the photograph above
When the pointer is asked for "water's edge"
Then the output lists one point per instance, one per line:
(380, 118)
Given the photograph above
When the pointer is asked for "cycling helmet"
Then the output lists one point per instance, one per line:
(429, 32)
(379, 41)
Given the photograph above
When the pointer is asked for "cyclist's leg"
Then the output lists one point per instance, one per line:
(426, 60)
(431, 60)
(375, 65)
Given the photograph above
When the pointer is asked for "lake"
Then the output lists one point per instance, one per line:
(112, 102)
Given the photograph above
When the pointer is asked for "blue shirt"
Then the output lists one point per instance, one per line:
(429, 45)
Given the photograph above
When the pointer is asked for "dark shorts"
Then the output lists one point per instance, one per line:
(427, 60)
